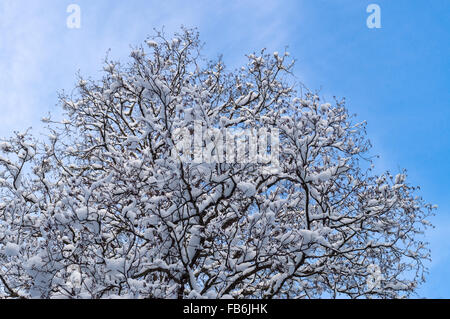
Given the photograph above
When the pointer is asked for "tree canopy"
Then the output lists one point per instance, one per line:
(108, 205)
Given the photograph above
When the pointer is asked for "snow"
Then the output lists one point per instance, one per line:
(325, 107)
(82, 213)
(194, 243)
(399, 178)
(115, 264)
(244, 266)
(11, 249)
(243, 100)
(5, 146)
(33, 262)
(248, 189)
(151, 43)
(109, 67)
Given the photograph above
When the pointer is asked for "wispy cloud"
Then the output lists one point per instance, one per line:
(23, 50)
(40, 55)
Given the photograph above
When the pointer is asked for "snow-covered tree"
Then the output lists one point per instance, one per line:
(109, 205)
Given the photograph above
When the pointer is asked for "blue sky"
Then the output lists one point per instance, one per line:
(397, 77)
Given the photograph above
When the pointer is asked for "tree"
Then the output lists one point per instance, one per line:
(111, 205)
